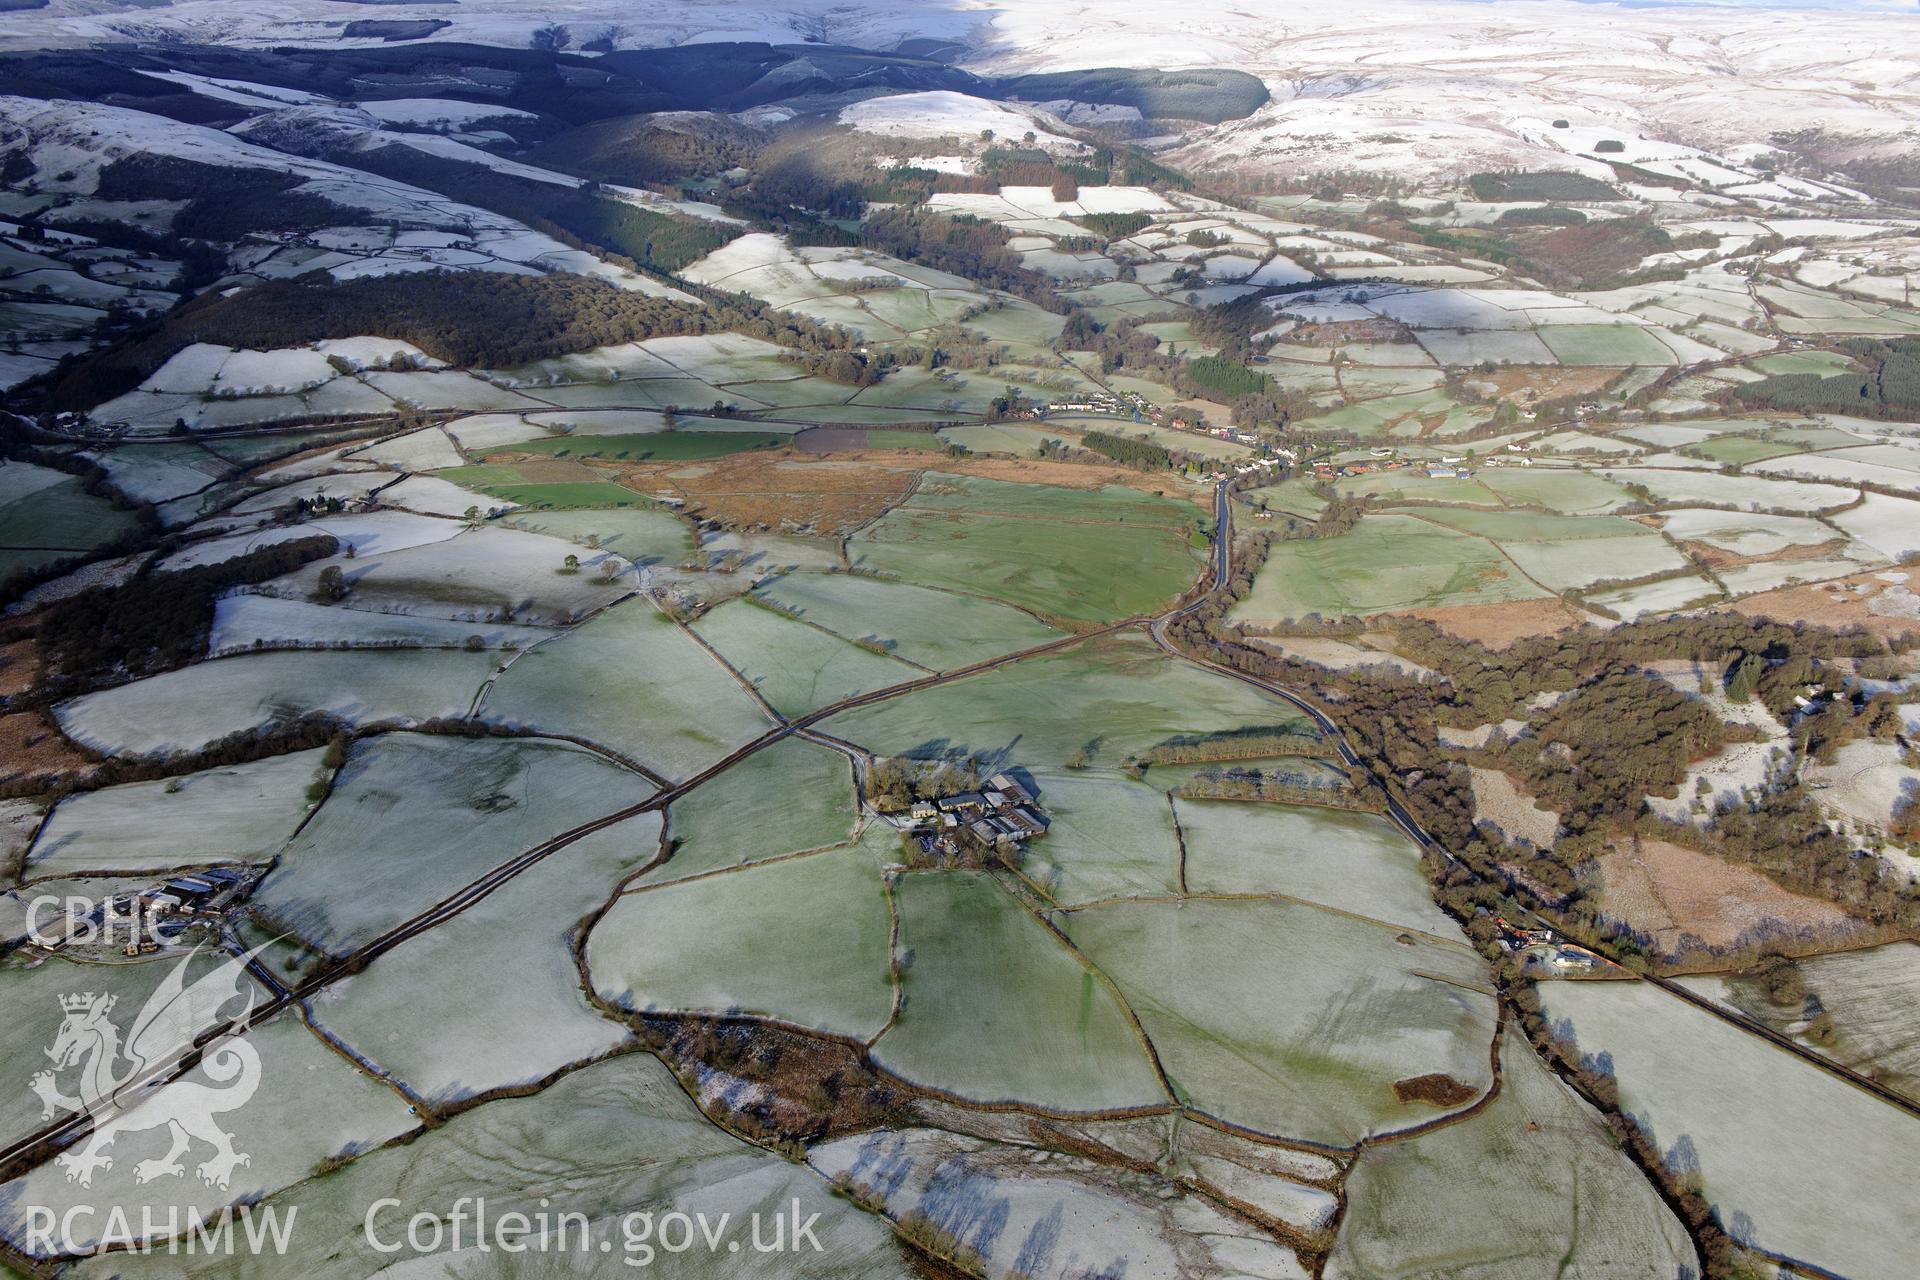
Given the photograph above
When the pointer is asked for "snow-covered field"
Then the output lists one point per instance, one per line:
(237, 814)
(944, 114)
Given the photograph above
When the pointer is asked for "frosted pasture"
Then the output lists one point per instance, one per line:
(1110, 836)
(436, 497)
(1355, 862)
(484, 573)
(1697, 1084)
(1890, 526)
(1743, 533)
(344, 486)
(1664, 596)
(246, 621)
(370, 533)
(1749, 578)
(427, 389)
(935, 629)
(1280, 269)
(1290, 1019)
(413, 817)
(160, 472)
(1745, 492)
(240, 813)
(483, 431)
(1573, 563)
(186, 709)
(804, 941)
(1533, 1183)
(1011, 1199)
(427, 449)
(1850, 466)
(943, 113)
(633, 682)
(369, 352)
(620, 362)
(792, 796)
(797, 668)
(506, 1006)
(437, 113)
(998, 1010)
(649, 1145)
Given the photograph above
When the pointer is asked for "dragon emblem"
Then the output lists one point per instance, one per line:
(120, 1082)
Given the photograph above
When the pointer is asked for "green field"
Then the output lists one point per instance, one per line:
(998, 1010)
(482, 475)
(1293, 497)
(30, 1007)
(1353, 862)
(1111, 836)
(797, 668)
(1568, 491)
(629, 680)
(568, 496)
(642, 534)
(1533, 526)
(803, 941)
(881, 438)
(936, 629)
(1416, 485)
(1604, 344)
(16, 563)
(1743, 449)
(1000, 437)
(62, 516)
(1293, 1020)
(791, 796)
(919, 388)
(1107, 698)
(1385, 563)
(1059, 553)
(1825, 364)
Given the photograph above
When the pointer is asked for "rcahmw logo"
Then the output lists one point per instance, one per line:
(110, 1067)
(82, 1228)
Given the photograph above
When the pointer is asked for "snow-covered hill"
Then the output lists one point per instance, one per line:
(1421, 87)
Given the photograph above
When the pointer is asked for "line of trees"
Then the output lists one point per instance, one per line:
(1130, 451)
